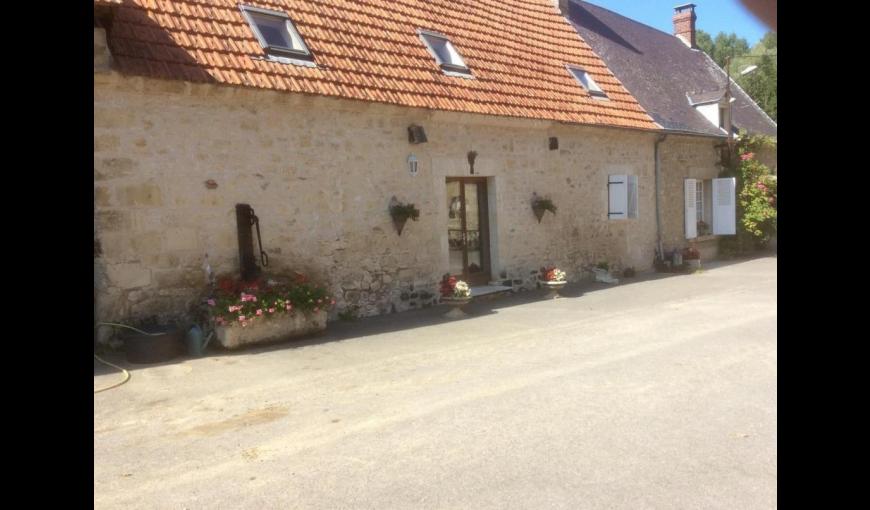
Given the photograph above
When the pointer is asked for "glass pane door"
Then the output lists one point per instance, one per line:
(467, 229)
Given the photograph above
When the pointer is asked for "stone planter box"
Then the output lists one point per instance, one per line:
(271, 329)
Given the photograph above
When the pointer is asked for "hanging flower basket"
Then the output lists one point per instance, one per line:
(401, 212)
(541, 206)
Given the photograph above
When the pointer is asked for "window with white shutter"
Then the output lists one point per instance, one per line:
(690, 191)
(617, 197)
(724, 206)
(632, 196)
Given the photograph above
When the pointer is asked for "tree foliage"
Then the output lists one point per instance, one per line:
(756, 196)
(760, 83)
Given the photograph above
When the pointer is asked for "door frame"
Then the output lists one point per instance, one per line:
(485, 275)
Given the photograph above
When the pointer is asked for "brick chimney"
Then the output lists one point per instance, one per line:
(562, 5)
(684, 23)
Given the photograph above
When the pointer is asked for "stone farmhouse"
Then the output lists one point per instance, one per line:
(320, 114)
(694, 102)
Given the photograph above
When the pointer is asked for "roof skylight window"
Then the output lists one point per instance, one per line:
(276, 33)
(587, 82)
(445, 54)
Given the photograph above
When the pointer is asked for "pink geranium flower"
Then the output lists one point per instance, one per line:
(259, 312)
(211, 302)
(271, 310)
(241, 318)
(747, 156)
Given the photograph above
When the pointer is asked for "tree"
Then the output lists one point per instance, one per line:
(760, 84)
(704, 42)
(723, 46)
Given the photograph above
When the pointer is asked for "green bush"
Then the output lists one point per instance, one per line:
(756, 198)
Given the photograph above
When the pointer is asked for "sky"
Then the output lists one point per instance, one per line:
(714, 16)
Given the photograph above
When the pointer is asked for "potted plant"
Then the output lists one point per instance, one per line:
(692, 258)
(541, 205)
(553, 279)
(401, 212)
(455, 293)
(601, 271)
(265, 309)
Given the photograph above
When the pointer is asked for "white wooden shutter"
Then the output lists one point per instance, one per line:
(617, 198)
(691, 209)
(724, 206)
(632, 196)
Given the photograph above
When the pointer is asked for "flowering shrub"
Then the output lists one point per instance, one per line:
(757, 199)
(553, 274)
(236, 301)
(453, 288)
(756, 196)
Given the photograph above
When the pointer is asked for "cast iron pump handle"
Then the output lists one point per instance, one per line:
(264, 257)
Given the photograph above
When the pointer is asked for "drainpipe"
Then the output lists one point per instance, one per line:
(659, 139)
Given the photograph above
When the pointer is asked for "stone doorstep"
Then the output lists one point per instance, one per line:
(491, 291)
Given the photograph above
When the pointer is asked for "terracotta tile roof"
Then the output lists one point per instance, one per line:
(369, 50)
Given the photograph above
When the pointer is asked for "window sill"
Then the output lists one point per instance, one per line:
(703, 239)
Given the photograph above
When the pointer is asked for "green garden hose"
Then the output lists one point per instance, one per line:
(126, 374)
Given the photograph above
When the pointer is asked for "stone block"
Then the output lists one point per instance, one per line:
(112, 168)
(144, 194)
(102, 196)
(106, 142)
(112, 118)
(180, 239)
(128, 275)
(112, 220)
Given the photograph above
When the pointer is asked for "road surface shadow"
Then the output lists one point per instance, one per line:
(339, 330)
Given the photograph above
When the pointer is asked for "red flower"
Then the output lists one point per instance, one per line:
(448, 283)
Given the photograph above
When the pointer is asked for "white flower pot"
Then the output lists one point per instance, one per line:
(456, 304)
(554, 288)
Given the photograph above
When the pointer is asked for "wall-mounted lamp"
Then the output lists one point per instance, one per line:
(416, 134)
(472, 155)
(554, 143)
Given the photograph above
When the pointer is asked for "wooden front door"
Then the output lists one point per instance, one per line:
(468, 229)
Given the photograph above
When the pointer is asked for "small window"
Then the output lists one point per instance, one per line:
(445, 54)
(621, 197)
(722, 113)
(587, 82)
(276, 33)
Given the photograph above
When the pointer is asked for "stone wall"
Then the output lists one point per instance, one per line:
(685, 157)
(320, 173)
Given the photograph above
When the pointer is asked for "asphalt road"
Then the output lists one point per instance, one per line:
(659, 393)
